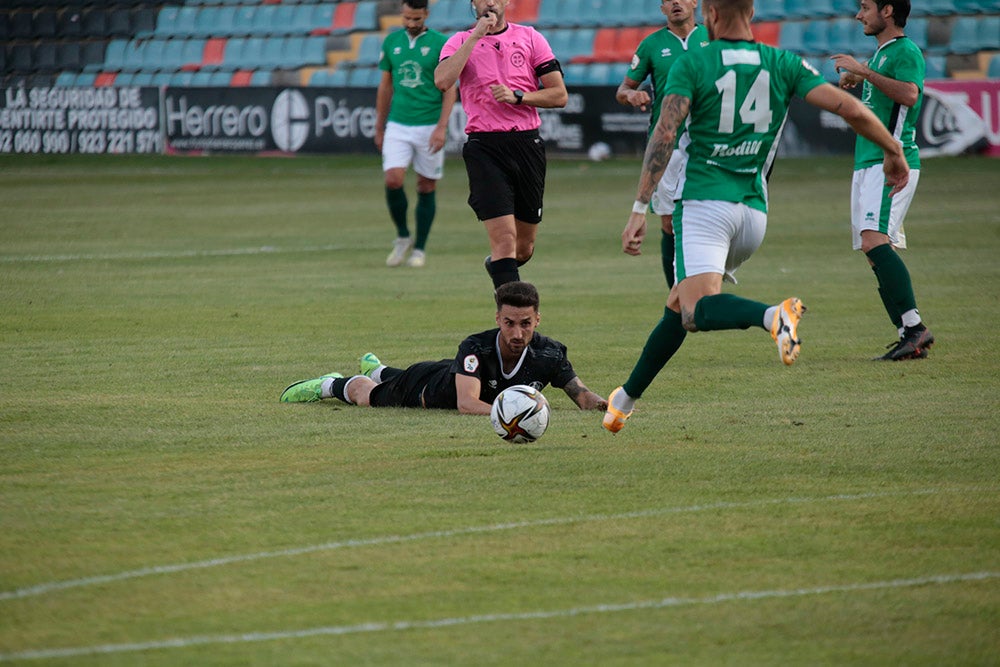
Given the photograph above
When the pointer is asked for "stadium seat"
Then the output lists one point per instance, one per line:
(993, 69)
(815, 37)
(241, 78)
(366, 16)
(265, 20)
(85, 79)
(243, 19)
(114, 57)
(561, 40)
(916, 30)
(937, 67)
(181, 78)
(45, 24)
(144, 22)
(43, 57)
(766, 32)
(260, 78)
(581, 42)
(69, 24)
(95, 22)
(186, 22)
(575, 74)
(142, 79)
(842, 36)
(214, 54)
(988, 33)
(798, 9)
(769, 10)
(523, 11)
(166, 20)
(92, 55)
(792, 36)
(69, 56)
(65, 79)
(21, 25)
(964, 35)
(369, 50)
(119, 23)
(548, 14)
(603, 47)
(601, 74)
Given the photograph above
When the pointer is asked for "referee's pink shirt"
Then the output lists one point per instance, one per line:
(510, 58)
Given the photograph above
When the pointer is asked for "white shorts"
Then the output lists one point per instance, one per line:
(873, 209)
(715, 237)
(406, 144)
(667, 190)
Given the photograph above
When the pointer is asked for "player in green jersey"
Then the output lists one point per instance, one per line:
(735, 94)
(893, 87)
(653, 58)
(411, 121)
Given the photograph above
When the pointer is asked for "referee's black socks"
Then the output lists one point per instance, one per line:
(503, 271)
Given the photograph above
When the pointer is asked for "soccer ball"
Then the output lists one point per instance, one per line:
(520, 414)
(599, 152)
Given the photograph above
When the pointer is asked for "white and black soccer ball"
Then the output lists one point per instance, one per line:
(599, 152)
(520, 414)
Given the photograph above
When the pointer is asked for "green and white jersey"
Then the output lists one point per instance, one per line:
(415, 98)
(902, 60)
(656, 54)
(739, 92)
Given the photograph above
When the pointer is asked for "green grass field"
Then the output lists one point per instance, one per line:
(158, 506)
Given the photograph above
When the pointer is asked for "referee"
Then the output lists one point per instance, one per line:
(505, 72)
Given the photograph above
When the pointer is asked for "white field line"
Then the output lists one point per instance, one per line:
(399, 626)
(179, 254)
(52, 586)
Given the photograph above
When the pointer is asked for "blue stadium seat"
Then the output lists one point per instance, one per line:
(575, 74)
(186, 23)
(964, 35)
(314, 51)
(583, 41)
(151, 54)
(166, 20)
(243, 21)
(261, 78)
(142, 79)
(181, 78)
(263, 20)
(366, 15)
(369, 50)
(842, 34)
(993, 71)
(272, 55)
(988, 33)
(792, 36)
(600, 74)
(815, 37)
(66, 79)
(161, 79)
(561, 40)
(114, 57)
(548, 14)
(769, 10)
(798, 9)
(916, 30)
(937, 67)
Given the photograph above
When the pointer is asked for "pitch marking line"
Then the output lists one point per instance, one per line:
(52, 586)
(182, 254)
(399, 626)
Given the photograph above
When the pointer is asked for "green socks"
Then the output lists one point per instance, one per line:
(396, 199)
(894, 283)
(426, 208)
(663, 342)
(728, 311)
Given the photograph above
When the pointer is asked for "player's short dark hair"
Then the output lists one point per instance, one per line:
(518, 294)
(415, 4)
(900, 10)
(725, 6)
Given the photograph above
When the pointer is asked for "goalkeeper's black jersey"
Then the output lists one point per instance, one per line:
(544, 362)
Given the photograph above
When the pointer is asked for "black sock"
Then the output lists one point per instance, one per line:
(504, 271)
(338, 389)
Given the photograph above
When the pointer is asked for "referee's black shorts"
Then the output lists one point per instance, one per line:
(506, 174)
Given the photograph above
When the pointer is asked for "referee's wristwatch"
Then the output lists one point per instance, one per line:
(518, 96)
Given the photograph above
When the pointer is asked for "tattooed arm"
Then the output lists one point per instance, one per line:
(583, 397)
(658, 151)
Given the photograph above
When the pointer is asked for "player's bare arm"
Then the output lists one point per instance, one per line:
(552, 94)
(467, 388)
(583, 397)
(853, 72)
(629, 95)
(865, 123)
(658, 151)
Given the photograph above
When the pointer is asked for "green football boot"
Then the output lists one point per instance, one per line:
(369, 362)
(306, 391)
